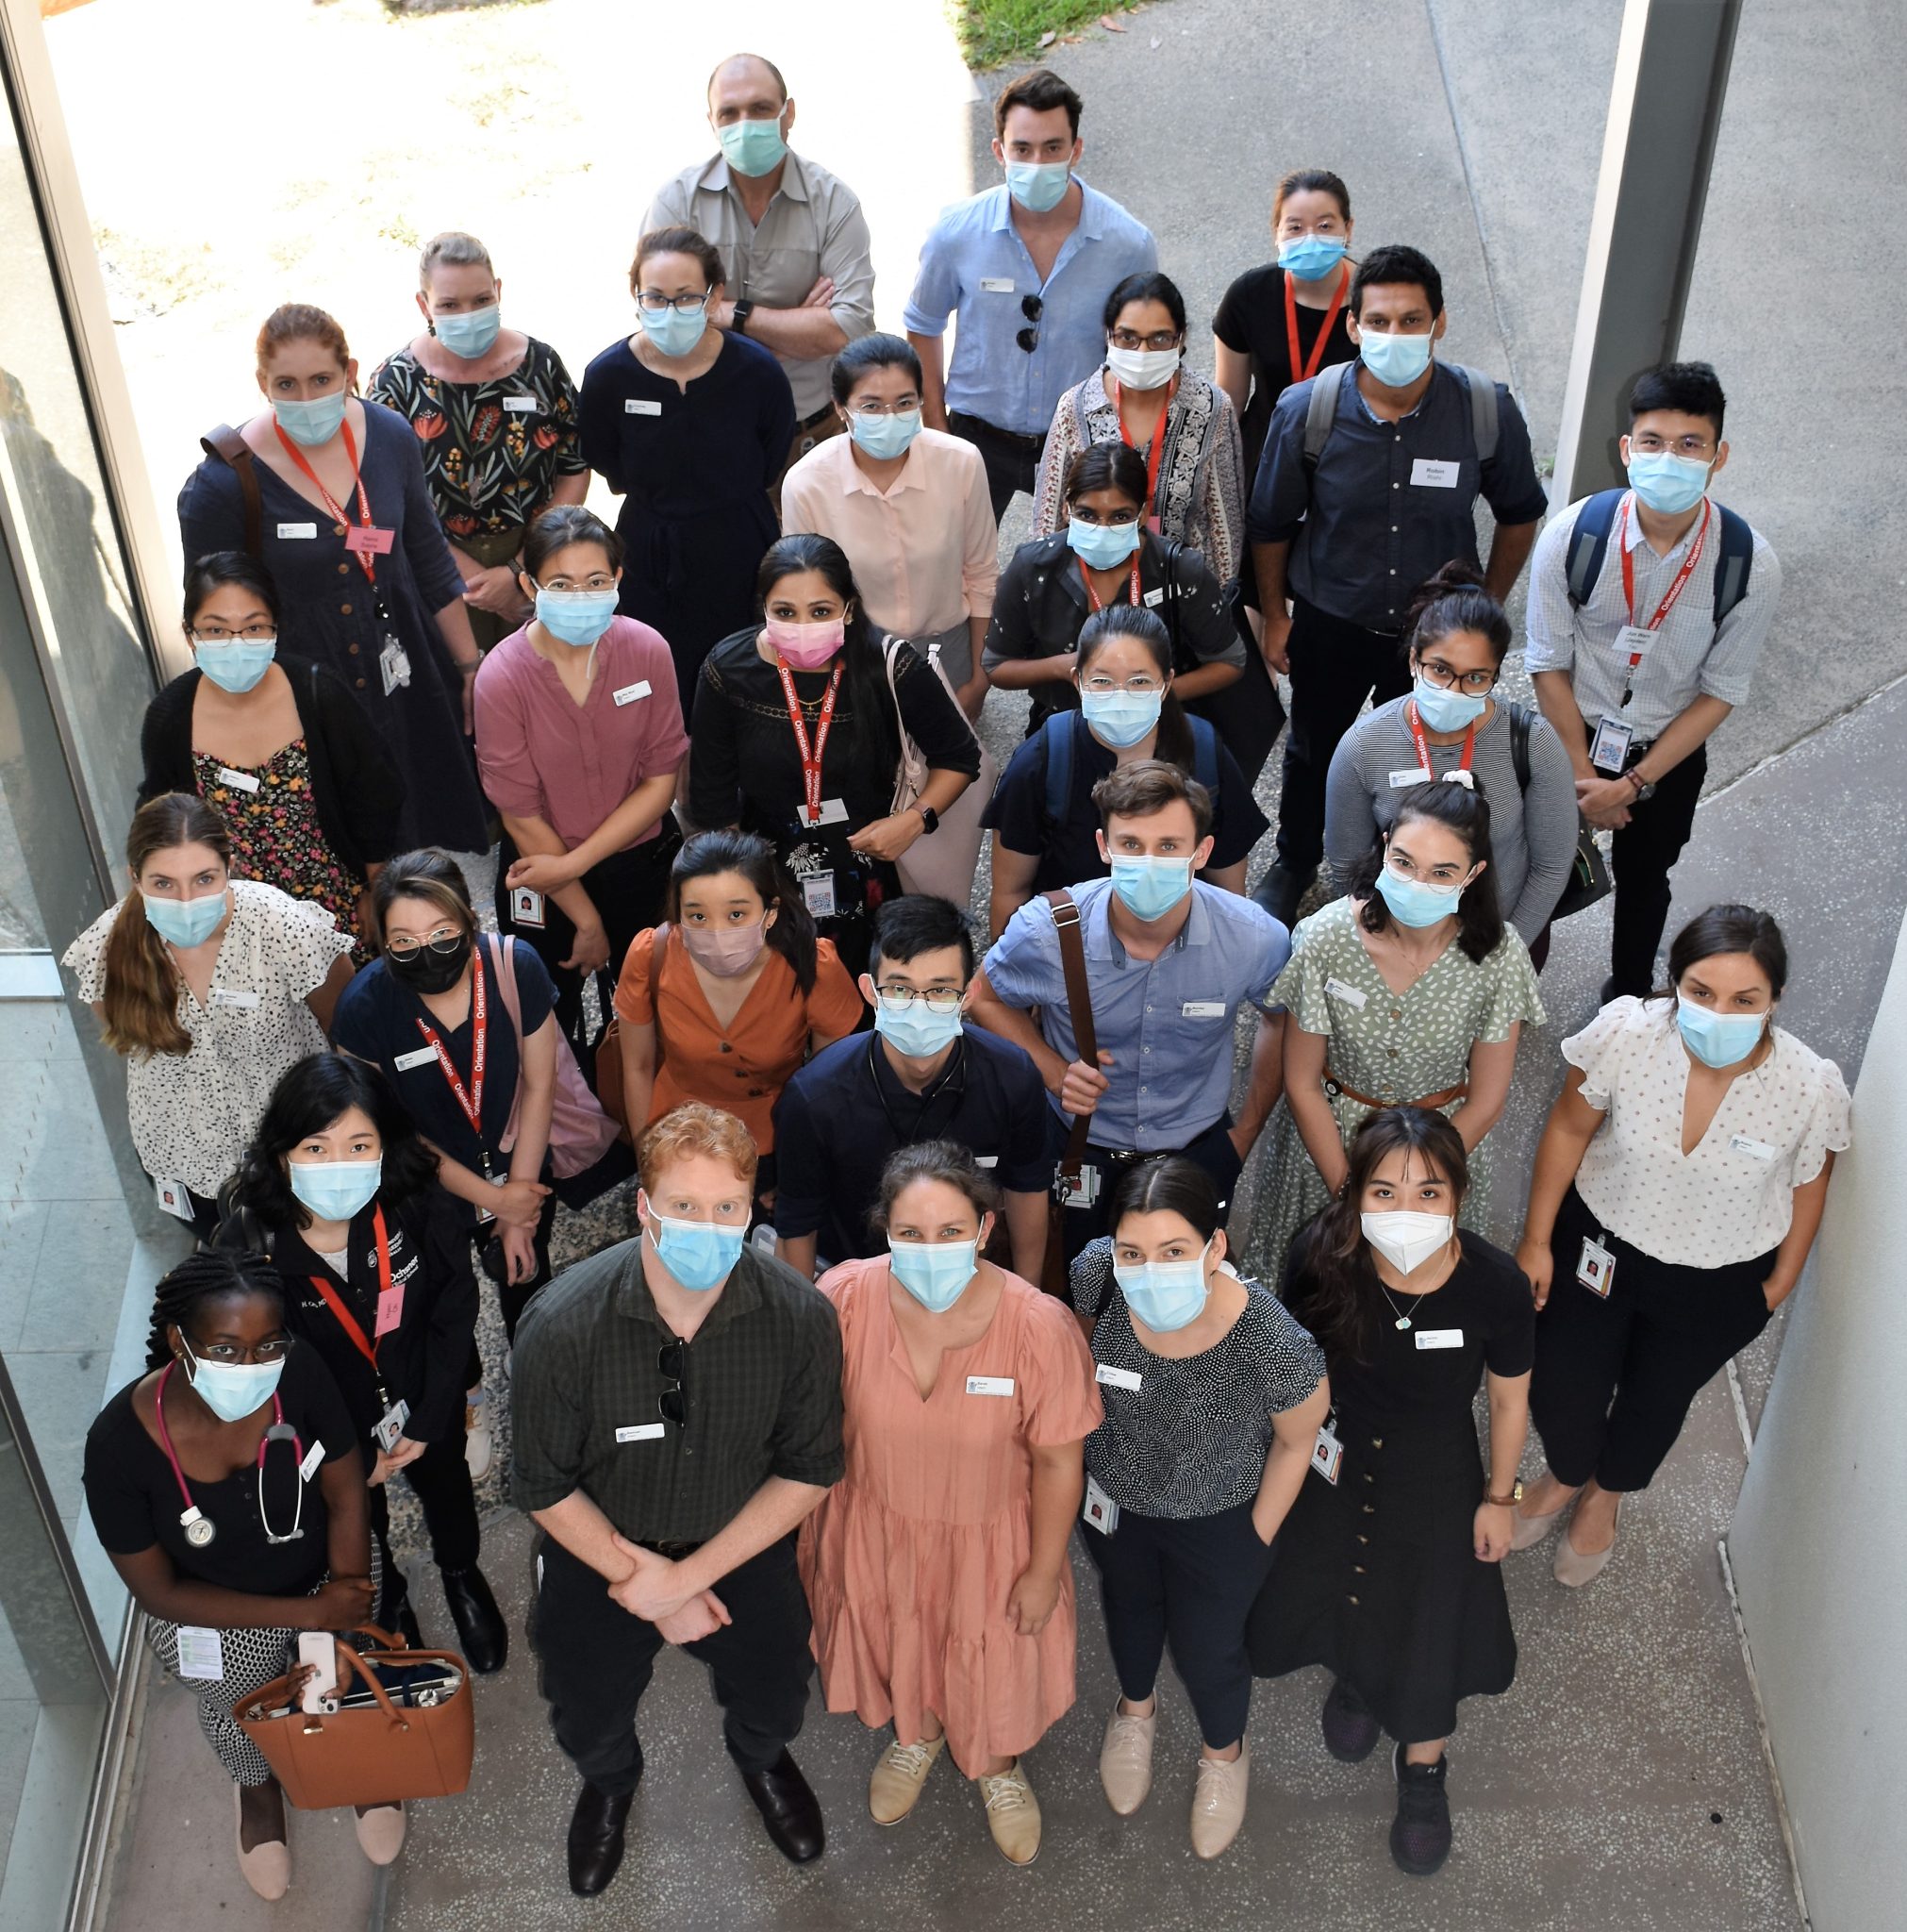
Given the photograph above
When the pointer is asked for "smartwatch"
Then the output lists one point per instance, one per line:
(930, 819)
(739, 322)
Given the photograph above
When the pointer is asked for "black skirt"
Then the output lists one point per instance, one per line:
(1376, 1577)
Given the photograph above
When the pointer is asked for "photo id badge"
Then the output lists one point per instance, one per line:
(1087, 1192)
(393, 665)
(1326, 1453)
(1610, 752)
(818, 894)
(174, 1198)
(1595, 1271)
(1100, 1511)
(389, 1425)
(526, 907)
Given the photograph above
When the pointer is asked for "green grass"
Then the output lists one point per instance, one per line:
(993, 31)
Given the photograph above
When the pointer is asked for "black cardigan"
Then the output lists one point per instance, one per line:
(357, 790)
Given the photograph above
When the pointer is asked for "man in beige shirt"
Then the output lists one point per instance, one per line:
(793, 239)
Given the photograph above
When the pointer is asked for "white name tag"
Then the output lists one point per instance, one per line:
(1415, 776)
(834, 812)
(641, 406)
(630, 693)
(233, 996)
(202, 1653)
(1635, 641)
(313, 1457)
(520, 406)
(240, 781)
(418, 1056)
(642, 1432)
(987, 1161)
(1203, 1010)
(1439, 1338)
(989, 1385)
(1153, 599)
(1338, 989)
(1115, 1378)
(1099, 1509)
(1427, 473)
(1326, 1453)
(289, 533)
(1760, 1149)
(996, 285)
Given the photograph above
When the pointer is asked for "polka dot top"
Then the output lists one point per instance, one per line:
(1733, 1197)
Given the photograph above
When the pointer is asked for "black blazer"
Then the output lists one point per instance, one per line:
(355, 786)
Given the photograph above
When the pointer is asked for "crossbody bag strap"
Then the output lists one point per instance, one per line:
(504, 971)
(1066, 924)
(230, 447)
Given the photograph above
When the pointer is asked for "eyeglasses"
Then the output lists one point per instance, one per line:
(1446, 678)
(671, 1359)
(1139, 687)
(1131, 338)
(1031, 307)
(443, 943)
(939, 999)
(260, 1352)
(683, 305)
(252, 634)
(1118, 519)
(598, 580)
(906, 406)
(1697, 448)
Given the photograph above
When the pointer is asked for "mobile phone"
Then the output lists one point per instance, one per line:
(319, 1649)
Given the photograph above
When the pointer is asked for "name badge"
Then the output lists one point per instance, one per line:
(1439, 1338)
(818, 894)
(1635, 641)
(520, 406)
(1153, 599)
(630, 693)
(1326, 1453)
(1101, 1511)
(641, 406)
(202, 1652)
(1416, 775)
(233, 996)
(1427, 473)
(1595, 1271)
(394, 664)
(1343, 989)
(367, 539)
(1760, 1149)
(1087, 1192)
(989, 1385)
(987, 1161)
(289, 533)
(834, 812)
(1610, 752)
(173, 1197)
(1115, 1378)
(389, 1425)
(418, 1056)
(526, 907)
(389, 1308)
(1203, 1010)
(313, 1457)
(642, 1432)
(996, 285)
(239, 781)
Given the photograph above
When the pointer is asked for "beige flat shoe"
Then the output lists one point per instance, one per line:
(1219, 1801)
(1125, 1759)
(1574, 1569)
(1528, 1531)
(894, 1788)
(380, 1832)
(266, 1868)
(1012, 1814)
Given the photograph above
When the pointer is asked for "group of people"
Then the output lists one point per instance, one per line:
(727, 753)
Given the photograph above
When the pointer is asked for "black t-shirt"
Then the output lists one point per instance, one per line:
(1251, 320)
(134, 1498)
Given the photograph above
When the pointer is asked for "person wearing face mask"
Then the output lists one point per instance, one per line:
(1045, 824)
(676, 1404)
(1169, 961)
(1368, 482)
(797, 274)
(1678, 1189)
(722, 1002)
(937, 1569)
(211, 987)
(1023, 269)
(797, 732)
(327, 493)
(910, 507)
(196, 1479)
(1389, 1565)
(337, 1189)
(689, 423)
(276, 747)
(1214, 1396)
(495, 416)
(923, 1075)
(1648, 607)
(1409, 990)
(579, 739)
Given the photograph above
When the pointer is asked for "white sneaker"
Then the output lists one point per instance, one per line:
(479, 1443)
(1219, 1801)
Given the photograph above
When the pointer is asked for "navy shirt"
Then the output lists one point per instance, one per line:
(1366, 527)
(846, 1112)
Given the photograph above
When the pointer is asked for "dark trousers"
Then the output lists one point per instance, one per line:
(1641, 856)
(1614, 1380)
(1248, 716)
(513, 1297)
(1012, 460)
(597, 1661)
(1212, 1150)
(440, 1479)
(1190, 1581)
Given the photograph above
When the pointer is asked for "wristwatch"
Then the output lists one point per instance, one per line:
(1645, 788)
(738, 320)
(1510, 1501)
(930, 819)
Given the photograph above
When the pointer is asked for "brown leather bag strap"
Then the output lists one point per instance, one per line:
(1079, 1007)
(226, 443)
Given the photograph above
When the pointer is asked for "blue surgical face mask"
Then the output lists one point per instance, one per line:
(1165, 1295)
(233, 1391)
(1414, 903)
(1311, 258)
(916, 1030)
(698, 1254)
(313, 422)
(235, 664)
(184, 921)
(575, 617)
(1718, 1039)
(1102, 546)
(1120, 718)
(336, 1189)
(1150, 888)
(885, 437)
(471, 335)
(1397, 361)
(936, 1273)
(1039, 187)
(1666, 481)
(674, 331)
(1445, 710)
(753, 147)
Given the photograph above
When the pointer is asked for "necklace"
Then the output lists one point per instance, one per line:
(1402, 1320)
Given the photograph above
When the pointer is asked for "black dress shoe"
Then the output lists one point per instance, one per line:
(596, 1839)
(480, 1626)
(402, 1619)
(1280, 892)
(788, 1809)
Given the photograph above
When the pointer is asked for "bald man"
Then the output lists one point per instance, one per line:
(791, 237)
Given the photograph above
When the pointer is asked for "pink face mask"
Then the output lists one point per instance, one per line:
(806, 646)
(725, 952)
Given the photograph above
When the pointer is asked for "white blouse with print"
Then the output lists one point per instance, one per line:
(1733, 1197)
(193, 1114)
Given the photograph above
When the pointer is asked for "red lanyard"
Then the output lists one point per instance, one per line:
(1153, 451)
(471, 1098)
(335, 1302)
(1674, 590)
(811, 755)
(1310, 367)
(338, 514)
(1416, 738)
(1092, 595)
(159, 1408)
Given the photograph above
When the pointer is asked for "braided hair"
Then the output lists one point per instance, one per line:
(210, 1275)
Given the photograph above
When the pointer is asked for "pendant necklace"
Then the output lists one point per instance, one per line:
(1402, 1320)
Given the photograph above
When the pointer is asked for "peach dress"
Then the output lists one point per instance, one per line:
(909, 1559)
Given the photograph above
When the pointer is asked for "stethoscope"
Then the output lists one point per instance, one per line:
(197, 1526)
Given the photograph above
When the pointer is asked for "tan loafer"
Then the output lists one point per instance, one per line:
(895, 1786)
(1528, 1531)
(380, 1832)
(1575, 1569)
(1219, 1801)
(1125, 1759)
(1012, 1814)
(266, 1868)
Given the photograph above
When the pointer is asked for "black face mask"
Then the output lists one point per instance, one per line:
(429, 969)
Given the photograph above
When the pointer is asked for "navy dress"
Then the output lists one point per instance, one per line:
(694, 470)
(332, 614)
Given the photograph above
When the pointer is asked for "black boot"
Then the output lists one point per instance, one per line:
(596, 1839)
(1278, 892)
(789, 1808)
(480, 1626)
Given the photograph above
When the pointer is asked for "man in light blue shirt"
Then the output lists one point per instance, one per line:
(1168, 959)
(1026, 267)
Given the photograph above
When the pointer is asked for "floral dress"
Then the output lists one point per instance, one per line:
(1395, 1046)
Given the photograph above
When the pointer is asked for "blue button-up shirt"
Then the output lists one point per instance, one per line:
(1166, 1021)
(1363, 533)
(976, 267)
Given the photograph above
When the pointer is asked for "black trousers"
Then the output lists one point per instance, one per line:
(1335, 666)
(513, 1297)
(1641, 856)
(1614, 1380)
(597, 1661)
(1212, 1150)
(440, 1479)
(1012, 460)
(1249, 715)
(1190, 1581)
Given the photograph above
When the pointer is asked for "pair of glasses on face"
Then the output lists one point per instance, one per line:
(259, 1355)
(442, 945)
(1031, 307)
(1098, 687)
(937, 999)
(671, 1362)
(1118, 519)
(906, 406)
(252, 634)
(598, 580)
(1471, 683)
(1131, 338)
(683, 305)
(1696, 448)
